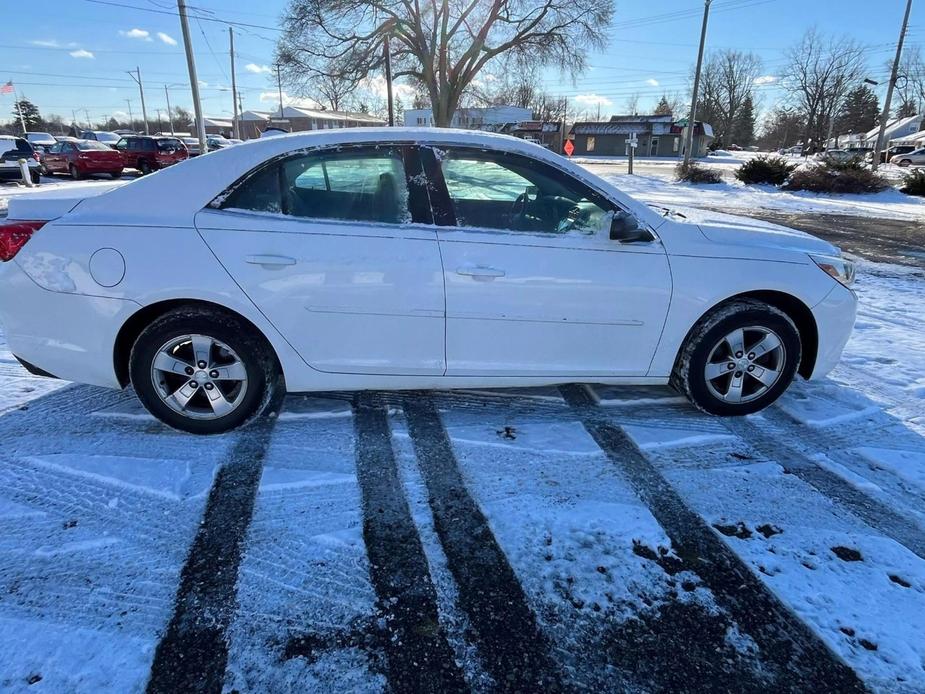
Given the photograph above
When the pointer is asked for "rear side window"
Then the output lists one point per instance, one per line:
(169, 145)
(91, 144)
(365, 184)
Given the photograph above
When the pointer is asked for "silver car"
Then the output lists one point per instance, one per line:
(916, 157)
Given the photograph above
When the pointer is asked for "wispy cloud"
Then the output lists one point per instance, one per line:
(652, 82)
(257, 69)
(136, 34)
(53, 43)
(81, 53)
(167, 38)
(593, 100)
(766, 79)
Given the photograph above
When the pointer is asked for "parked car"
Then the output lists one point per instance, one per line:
(83, 158)
(916, 156)
(734, 148)
(408, 258)
(147, 154)
(192, 145)
(104, 136)
(886, 155)
(12, 149)
(795, 150)
(838, 155)
(216, 142)
(40, 141)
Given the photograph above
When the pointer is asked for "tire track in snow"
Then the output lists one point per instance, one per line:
(872, 511)
(514, 651)
(418, 656)
(802, 660)
(193, 651)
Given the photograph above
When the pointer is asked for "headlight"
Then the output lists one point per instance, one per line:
(839, 268)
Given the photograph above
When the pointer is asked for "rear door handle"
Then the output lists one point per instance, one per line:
(270, 260)
(479, 271)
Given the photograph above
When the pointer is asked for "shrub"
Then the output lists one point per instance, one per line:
(773, 170)
(837, 177)
(914, 182)
(695, 173)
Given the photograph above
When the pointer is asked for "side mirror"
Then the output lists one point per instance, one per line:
(625, 229)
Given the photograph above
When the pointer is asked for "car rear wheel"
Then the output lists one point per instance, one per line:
(115, 174)
(905, 162)
(203, 371)
(144, 167)
(75, 172)
(738, 359)
(36, 177)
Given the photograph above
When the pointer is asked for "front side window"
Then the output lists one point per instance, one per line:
(353, 184)
(494, 190)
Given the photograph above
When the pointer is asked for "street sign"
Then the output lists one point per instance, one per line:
(568, 148)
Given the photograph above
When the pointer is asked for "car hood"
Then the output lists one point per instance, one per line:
(733, 230)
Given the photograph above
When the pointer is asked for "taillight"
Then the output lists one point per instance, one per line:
(14, 235)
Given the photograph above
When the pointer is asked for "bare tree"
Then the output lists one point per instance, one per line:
(631, 104)
(726, 86)
(441, 45)
(910, 85)
(819, 74)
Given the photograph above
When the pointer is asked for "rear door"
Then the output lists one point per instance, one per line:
(337, 249)
(534, 284)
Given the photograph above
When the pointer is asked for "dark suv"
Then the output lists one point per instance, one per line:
(149, 154)
(12, 149)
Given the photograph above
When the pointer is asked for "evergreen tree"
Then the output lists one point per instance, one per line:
(663, 108)
(742, 132)
(859, 113)
(30, 114)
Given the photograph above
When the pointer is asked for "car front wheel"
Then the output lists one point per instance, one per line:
(203, 371)
(738, 359)
(906, 162)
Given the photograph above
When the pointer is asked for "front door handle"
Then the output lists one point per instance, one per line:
(270, 260)
(479, 271)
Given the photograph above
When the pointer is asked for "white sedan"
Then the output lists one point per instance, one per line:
(403, 259)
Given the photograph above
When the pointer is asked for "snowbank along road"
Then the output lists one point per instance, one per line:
(509, 541)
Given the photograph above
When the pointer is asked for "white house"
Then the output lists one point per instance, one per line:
(899, 129)
(471, 118)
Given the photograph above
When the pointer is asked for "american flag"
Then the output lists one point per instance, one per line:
(7, 88)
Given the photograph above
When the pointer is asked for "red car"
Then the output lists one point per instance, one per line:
(81, 158)
(148, 154)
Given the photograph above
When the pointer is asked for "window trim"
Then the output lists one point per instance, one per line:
(418, 202)
(444, 212)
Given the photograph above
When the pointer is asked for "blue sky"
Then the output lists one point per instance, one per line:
(73, 55)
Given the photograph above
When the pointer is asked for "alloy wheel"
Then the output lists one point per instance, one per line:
(745, 364)
(199, 377)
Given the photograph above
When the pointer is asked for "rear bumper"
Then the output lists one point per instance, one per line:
(68, 335)
(835, 316)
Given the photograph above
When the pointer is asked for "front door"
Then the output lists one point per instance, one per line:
(335, 247)
(534, 284)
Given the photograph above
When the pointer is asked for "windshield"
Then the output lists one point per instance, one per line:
(107, 137)
(91, 144)
(191, 141)
(40, 137)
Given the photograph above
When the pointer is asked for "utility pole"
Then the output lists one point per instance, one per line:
(169, 117)
(234, 88)
(159, 128)
(141, 90)
(89, 124)
(22, 120)
(889, 90)
(279, 85)
(691, 121)
(387, 55)
(131, 116)
(193, 79)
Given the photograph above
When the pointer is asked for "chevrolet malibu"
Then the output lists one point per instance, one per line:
(405, 259)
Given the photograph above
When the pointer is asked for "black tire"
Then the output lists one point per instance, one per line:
(264, 384)
(115, 175)
(35, 176)
(689, 376)
(905, 162)
(75, 174)
(144, 167)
